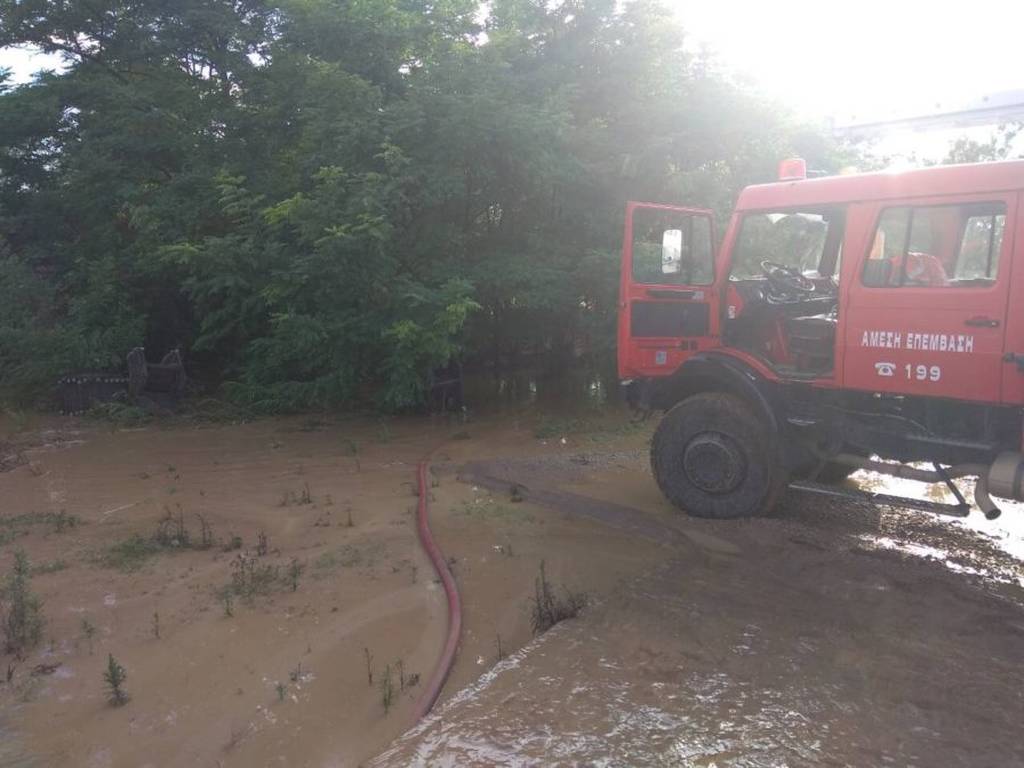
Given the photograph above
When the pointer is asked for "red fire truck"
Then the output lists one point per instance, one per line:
(871, 321)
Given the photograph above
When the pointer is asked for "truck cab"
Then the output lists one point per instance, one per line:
(859, 321)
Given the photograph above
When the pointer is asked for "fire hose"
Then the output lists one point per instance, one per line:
(444, 664)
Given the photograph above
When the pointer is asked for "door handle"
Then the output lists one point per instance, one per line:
(669, 293)
(981, 322)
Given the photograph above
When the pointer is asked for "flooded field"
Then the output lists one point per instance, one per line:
(833, 633)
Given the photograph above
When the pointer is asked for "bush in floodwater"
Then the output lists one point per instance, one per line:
(23, 611)
(114, 676)
(249, 578)
(547, 608)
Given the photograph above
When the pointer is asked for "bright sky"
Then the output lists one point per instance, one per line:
(865, 58)
(870, 59)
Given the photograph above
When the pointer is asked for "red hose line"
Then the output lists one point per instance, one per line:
(444, 665)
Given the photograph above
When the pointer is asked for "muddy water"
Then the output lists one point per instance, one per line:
(829, 634)
(798, 640)
(334, 498)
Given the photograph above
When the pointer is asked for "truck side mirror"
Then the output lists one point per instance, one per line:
(672, 252)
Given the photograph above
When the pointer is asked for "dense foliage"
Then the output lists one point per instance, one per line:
(318, 200)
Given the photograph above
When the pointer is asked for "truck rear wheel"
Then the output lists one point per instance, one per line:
(713, 457)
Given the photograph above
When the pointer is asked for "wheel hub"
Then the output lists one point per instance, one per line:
(714, 463)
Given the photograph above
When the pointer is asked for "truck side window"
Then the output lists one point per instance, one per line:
(979, 248)
(808, 241)
(941, 246)
(690, 237)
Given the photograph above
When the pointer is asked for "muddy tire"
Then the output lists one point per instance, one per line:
(713, 457)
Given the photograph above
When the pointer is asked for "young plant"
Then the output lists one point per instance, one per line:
(23, 611)
(295, 569)
(89, 630)
(387, 690)
(156, 625)
(228, 599)
(171, 531)
(369, 666)
(262, 544)
(114, 677)
(205, 533)
(281, 689)
(249, 579)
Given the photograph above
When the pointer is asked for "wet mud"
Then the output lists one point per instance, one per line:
(819, 636)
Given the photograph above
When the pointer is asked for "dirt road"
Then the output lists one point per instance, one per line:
(827, 635)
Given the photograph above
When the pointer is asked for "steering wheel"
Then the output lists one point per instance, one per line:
(785, 281)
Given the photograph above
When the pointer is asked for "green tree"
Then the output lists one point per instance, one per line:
(321, 201)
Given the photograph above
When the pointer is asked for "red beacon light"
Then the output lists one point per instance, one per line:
(793, 169)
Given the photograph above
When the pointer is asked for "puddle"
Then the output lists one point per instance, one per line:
(1004, 535)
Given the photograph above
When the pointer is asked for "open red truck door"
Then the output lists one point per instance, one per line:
(668, 308)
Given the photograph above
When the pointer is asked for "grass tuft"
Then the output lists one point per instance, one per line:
(22, 609)
(548, 609)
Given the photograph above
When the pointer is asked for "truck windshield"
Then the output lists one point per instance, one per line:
(795, 239)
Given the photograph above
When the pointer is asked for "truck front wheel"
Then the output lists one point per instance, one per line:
(713, 457)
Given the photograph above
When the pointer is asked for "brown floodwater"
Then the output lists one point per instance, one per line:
(831, 633)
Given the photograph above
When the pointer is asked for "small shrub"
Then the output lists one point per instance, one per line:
(249, 579)
(205, 533)
(89, 630)
(114, 676)
(171, 531)
(387, 690)
(262, 544)
(156, 625)
(302, 498)
(281, 689)
(131, 554)
(171, 534)
(23, 613)
(344, 556)
(18, 525)
(295, 569)
(234, 542)
(549, 609)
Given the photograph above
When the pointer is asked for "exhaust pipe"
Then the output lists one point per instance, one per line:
(1005, 478)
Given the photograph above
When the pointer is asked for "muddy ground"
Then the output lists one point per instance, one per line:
(829, 634)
